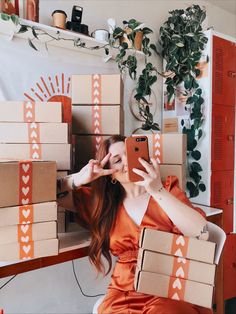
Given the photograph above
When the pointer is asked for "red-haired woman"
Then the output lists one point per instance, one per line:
(115, 210)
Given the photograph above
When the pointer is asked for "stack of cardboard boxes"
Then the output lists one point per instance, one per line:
(177, 267)
(28, 210)
(31, 131)
(170, 152)
(97, 113)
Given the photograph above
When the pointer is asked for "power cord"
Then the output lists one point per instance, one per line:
(8, 281)
(84, 294)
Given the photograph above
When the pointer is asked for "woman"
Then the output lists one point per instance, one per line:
(115, 210)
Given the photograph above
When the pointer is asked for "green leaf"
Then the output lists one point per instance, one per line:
(196, 167)
(199, 134)
(196, 154)
(202, 187)
(15, 19)
(5, 17)
(191, 187)
(23, 29)
(31, 44)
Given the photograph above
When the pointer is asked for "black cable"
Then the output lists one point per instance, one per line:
(86, 295)
(8, 281)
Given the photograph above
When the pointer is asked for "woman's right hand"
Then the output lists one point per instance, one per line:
(92, 171)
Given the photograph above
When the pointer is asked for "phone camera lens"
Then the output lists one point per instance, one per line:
(136, 149)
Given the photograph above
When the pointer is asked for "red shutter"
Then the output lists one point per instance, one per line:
(229, 260)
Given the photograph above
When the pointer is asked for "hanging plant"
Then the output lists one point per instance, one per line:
(182, 42)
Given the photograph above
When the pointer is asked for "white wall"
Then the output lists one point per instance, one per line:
(53, 289)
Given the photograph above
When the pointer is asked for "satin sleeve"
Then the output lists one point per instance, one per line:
(82, 199)
(172, 186)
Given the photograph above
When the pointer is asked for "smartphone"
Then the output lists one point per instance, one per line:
(136, 147)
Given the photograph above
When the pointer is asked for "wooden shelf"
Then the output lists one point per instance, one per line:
(72, 245)
(68, 38)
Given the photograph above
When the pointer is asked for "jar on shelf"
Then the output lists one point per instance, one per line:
(32, 10)
(59, 19)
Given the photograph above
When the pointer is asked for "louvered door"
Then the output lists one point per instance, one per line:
(229, 262)
(224, 72)
(222, 193)
(223, 137)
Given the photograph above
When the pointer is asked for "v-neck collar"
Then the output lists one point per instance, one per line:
(132, 221)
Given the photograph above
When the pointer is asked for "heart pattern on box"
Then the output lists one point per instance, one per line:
(26, 214)
(96, 109)
(157, 147)
(28, 111)
(25, 182)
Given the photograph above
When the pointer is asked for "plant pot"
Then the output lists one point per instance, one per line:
(138, 40)
(125, 39)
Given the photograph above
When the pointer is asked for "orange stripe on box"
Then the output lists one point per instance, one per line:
(26, 214)
(180, 267)
(29, 111)
(176, 288)
(96, 101)
(33, 132)
(35, 151)
(26, 250)
(179, 245)
(25, 182)
(25, 233)
(157, 146)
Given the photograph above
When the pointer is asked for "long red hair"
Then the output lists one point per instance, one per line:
(108, 198)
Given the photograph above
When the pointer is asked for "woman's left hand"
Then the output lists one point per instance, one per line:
(151, 178)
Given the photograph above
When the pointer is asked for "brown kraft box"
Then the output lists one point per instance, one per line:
(177, 245)
(23, 214)
(167, 148)
(105, 89)
(174, 288)
(176, 266)
(22, 251)
(61, 153)
(97, 120)
(28, 232)
(26, 111)
(174, 170)
(27, 182)
(33, 132)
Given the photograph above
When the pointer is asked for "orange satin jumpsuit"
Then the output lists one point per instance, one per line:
(121, 298)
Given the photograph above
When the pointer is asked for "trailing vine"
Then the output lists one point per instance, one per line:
(183, 41)
(126, 57)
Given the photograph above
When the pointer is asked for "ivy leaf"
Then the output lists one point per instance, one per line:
(202, 187)
(15, 19)
(196, 154)
(31, 44)
(196, 167)
(191, 187)
(5, 17)
(23, 29)
(199, 134)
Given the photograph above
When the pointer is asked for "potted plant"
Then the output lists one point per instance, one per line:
(128, 39)
(183, 42)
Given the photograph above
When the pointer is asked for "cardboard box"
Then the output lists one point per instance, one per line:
(62, 174)
(61, 153)
(176, 266)
(170, 125)
(174, 170)
(85, 147)
(27, 111)
(28, 232)
(27, 182)
(22, 251)
(167, 148)
(61, 221)
(99, 120)
(177, 245)
(174, 288)
(105, 89)
(28, 213)
(33, 132)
